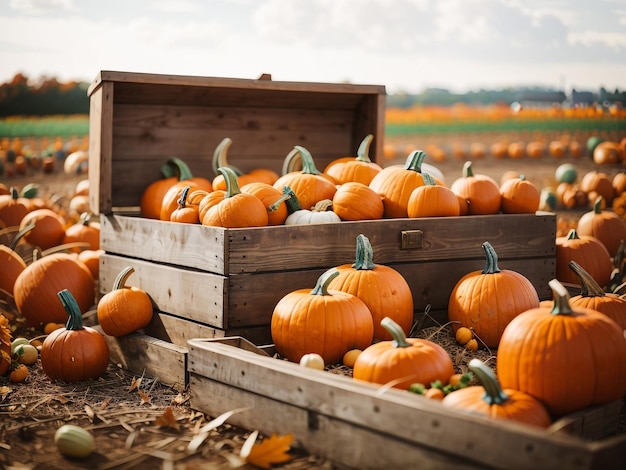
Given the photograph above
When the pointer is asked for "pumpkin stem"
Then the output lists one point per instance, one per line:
(561, 299)
(396, 332)
(491, 266)
(597, 205)
(321, 286)
(85, 218)
(292, 162)
(414, 161)
(364, 254)
(428, 179)
(179, 167)
(122, 277)
(182, 200)
(363, 153)
(323, 205)
(75, 322)
(14, 193)
(18, 236)
(30, 190)
(588, 285)
(308, 165)
(494, 395)
(573, 234)
(220, 157)
(232, 186)
(293, 204)
(467, 169)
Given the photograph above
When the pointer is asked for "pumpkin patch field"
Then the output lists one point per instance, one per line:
(247, 274)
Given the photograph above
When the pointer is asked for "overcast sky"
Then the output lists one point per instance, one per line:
(406, 45)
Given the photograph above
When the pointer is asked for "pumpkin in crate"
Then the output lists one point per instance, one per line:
(125, 309)
(481, 192)
(273, 200)
(567, 357)
(174, 171)
(85, 230)
(486, 301)
(48, 228)
(432, 200)
(320, 213)
(185, 213)
(323, 321)
(236, 209)
(308, 184)
(171, 199)
(403, 361)
(491, 400)
(587, 251)
(605, 225)
(396, 183)
(36, 288)
(519, 196)
(75, 353)
(359, 169)
(357, 201)
(383, 289)
(256, 175)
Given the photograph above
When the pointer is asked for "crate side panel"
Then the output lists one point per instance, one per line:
(187, 245)
(395, 412)
(201, 296)
(100, 149)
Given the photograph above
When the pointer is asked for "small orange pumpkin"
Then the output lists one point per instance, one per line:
(185, 213)
(605, 225)
(481, 191)
(585, 250)
(272, 199)
(519, 196)
(360, 168)
(357, 201)
(85, 230)
(432, 200)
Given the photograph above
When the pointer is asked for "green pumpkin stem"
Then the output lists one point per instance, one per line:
(597, 205)
(561, 299)
(220, 156)
(321, 286)
(428, 179)
(396, 332)
(30, 190)
(491, 265)
(232, 186)
(122, 277)
(364, 254)
(176, 167)
(467, 169)
(182, 200)
(75, 322)
(414, 161)
(308, 164)
(494, 395)
(293, 204)
(85, 218)
(18, 236)
(573, 234)
(363, 153)
(588, 285)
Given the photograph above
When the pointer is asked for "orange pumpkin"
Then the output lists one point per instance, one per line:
(585, 250)
(5, 345)
(607, 153)
(272, 199)
(236, 209)
(486, 301)
(91, 258)
(481, 191)
(125, 309)
(85, 230)
(596, 183)
(540, 354)
(605, 225)
(360, 168)
(519, 196)
(491, 400)
(403, 361)
(432, 200)
(357, 201)
(48, 230)
(185, 213)
(383, 289)
(13, 208)
(323, 321)
(11, 262)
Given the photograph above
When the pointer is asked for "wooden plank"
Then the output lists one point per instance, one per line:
(423, 423)
(142, 354)
(264, 249)
(100, 149)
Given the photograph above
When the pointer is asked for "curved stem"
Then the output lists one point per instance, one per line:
(232, 186)
(414, 161)
(182, 200)
(396, 332)
(491, 265)
(321, 287)
(75, 322)
(323, 205)
(18, 236)
(597, 205)
(561, 299)
(364, 254)
(181, 169)
(122, 277)
(588, 285)
(428, 179)
(293, 204)
(573, 234)
(292, 162)
(308, 165)
(467, 169)
(494, 395)
(363, 153)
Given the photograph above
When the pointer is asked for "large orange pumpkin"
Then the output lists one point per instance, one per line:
(606, 225)
(48, 230)
(11, 262)
(568, 357)
(587, 251)
(323, 321)
(360, 168)
(383, 289)
(432, 200)
(357, 201)
(486, 301)
(519, 196)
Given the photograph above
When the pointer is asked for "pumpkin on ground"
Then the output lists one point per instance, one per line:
(587, 251)
(491, 400)
(85, 230)
(36, 288)
(48, 230)
(567, 357)
(75, 353)
(354, 169)
(605, 225)
(125, 309)
(11, 262)
(486, 301)
(383, 289)
(5, 345)
(323, 321)
(403, 361)
(13, 208)
(481, 192)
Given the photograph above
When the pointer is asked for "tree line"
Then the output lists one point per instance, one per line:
(48, 96)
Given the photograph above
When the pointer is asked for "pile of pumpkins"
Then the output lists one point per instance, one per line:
(349, 188)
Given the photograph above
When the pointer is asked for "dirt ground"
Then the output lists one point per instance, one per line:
(123, 414)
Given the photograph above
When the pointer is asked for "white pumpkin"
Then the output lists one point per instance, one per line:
(319, 214)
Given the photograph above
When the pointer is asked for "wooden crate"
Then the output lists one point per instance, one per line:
(360, 425)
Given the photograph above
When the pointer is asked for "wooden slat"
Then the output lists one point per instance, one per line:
(392, 414)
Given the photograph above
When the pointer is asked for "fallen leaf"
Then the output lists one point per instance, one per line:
(135, 384)
(269, 451)
(145, 398)
(105, 403)
(62, 399)
(167, 419)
